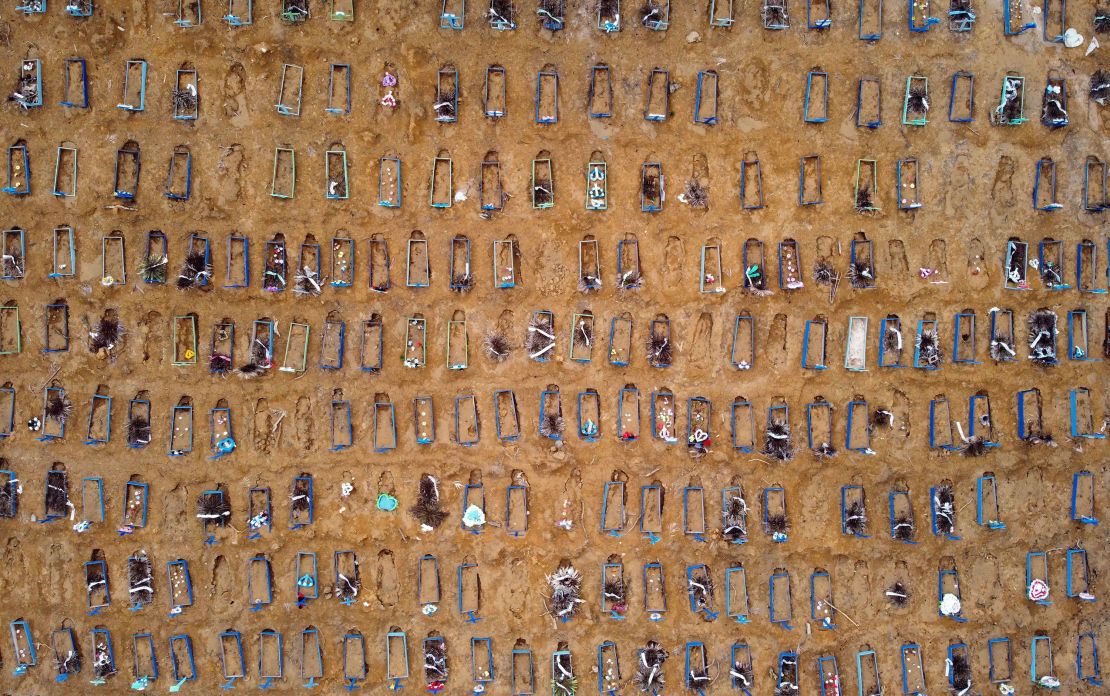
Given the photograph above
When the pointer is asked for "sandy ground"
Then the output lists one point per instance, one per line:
(977, 183)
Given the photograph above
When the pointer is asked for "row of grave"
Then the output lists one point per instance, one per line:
(921, 347)
(615, 595)
(600, 104)
(655, 15)
(615, 517)
(946, 431)
(443, 191)
(303, 659)
(316, 267)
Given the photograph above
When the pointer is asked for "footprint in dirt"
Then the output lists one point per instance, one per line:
(263, 426)
(858, 597)
(222, 580)
(756, 78)
(235, 101)
(570, 512)
(959, 192)
(938, 259)
(701, 344)
(174, 504)
(518, 590)
(150, 329)
(984, 571)
(57, 571)
(230, 171)
(896, 257)
(776, 341)
(978, 273)
(385, 579)
(900, 406)
(1002, 190)
(305, 425)
(673, 257)
(14, 559)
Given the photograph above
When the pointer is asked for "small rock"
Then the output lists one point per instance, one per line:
(693, 37)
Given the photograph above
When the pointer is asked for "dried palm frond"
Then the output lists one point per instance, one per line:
(1002, 349)
(1102, 19)
(881, 418)
(855, 519)
(1010, 110)
(659, 349)
(1053, 113)
(435, 660)
(903, 528)
(219, 364)
(1042, 337)
(630, 280)
(105, 335)
(566, 588)
(701, 590)
(944, 504)
(649, 668)
(300, 498)
(9, 496)
(588, 282)
(918, 100)
(213, 507)
(614, 590)
(427, 509)
(68, 662)
(974, 447)
(462, 282)
(777, 523)
(649, 187)
(184, 100)
(898, 595)
(445, 106)
(864, 204)
(823, 273)
(563, 680)
(861, 275)
(58, 407)
(140, 579)
(584, 333)
(541, 336)
(195, 271)
(347, 587)
(261, 360)
(497, 346)
(743, 676)
(502, 10)
(735, 518)
(773, 14)
(552, 426)
(1100, 87)
(695, 195)
(307, 282)
(778, 443)
(138, 431)
(650, 12)
(929, 353)
(697, 678)
(154, 269)
(961, 673)
(57, 493)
